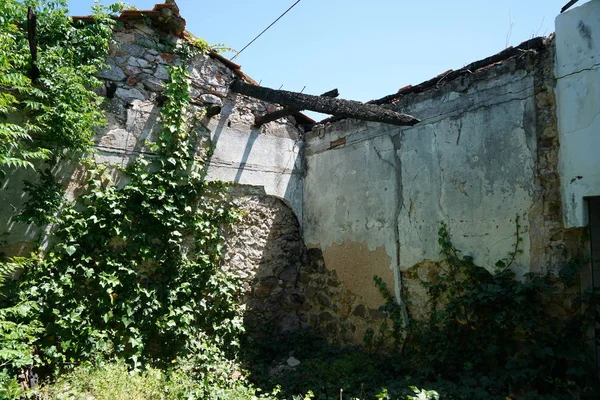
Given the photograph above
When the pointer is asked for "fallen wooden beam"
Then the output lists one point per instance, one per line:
(270, 117)
(326, 105)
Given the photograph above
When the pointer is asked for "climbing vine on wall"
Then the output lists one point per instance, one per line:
(136, 271)
(132, 271)
(497, 334)
(44, 112)
(45, 106)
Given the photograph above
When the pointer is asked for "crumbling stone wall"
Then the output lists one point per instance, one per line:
(134, 83)
(268, 243)
(286, 286)
(366, 199)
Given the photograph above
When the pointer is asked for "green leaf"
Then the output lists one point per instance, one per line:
(70, 250)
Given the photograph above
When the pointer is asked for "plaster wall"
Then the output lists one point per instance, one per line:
(381, 191)
(578, 101)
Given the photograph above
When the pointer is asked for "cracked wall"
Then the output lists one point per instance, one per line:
(367, 199)
(578, 98)
(485, 151)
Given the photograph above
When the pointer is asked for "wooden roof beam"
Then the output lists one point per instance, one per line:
(326, 105)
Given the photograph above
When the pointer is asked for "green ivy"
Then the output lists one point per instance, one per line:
(45, 199)
(496, 334)
(57, 109)
(136, 270)
(18, 332)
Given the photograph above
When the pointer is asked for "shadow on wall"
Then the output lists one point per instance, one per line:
(286, 286)
(224, 123)
(124, 139)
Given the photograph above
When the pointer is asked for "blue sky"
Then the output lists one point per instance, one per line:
(366, 49)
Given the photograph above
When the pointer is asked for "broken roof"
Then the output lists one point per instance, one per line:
(166, 17)
(450, 75)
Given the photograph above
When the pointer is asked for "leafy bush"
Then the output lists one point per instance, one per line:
(132, 272)
(18, 331)
(54, 105)
(490, 334)
(113, 381)
(136, 271)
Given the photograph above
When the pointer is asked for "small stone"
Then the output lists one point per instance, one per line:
(143, 63)
(331, 329)
(133, 62)
(211, 80)
(124, 37)
(162, 73)
(121, 60)
(142, 27)
(293, 362)
(132, 71)
(345, 309)
(325, 317)
(150, 58)
(132, 80)
(133, 49)
(323, 300)
(333, 282)
(112, 72)
(360, 311)
(151, 83)
(129, 94)
(214, 100)
(144, 40)
(166, 58)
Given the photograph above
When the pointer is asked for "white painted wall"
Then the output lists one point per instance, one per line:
(578, 104)
(248, 156)
(470, 163)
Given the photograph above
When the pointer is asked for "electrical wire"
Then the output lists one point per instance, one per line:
(266, 29)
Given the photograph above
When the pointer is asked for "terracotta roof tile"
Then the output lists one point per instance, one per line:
(165, 15)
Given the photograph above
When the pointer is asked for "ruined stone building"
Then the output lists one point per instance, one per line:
(330, 205)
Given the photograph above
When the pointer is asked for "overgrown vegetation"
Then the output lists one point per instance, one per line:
(133, 272)
(46, 105)
(493, 335)
(114, 381)
(137, 267)
(489, 335)
(48, 98)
